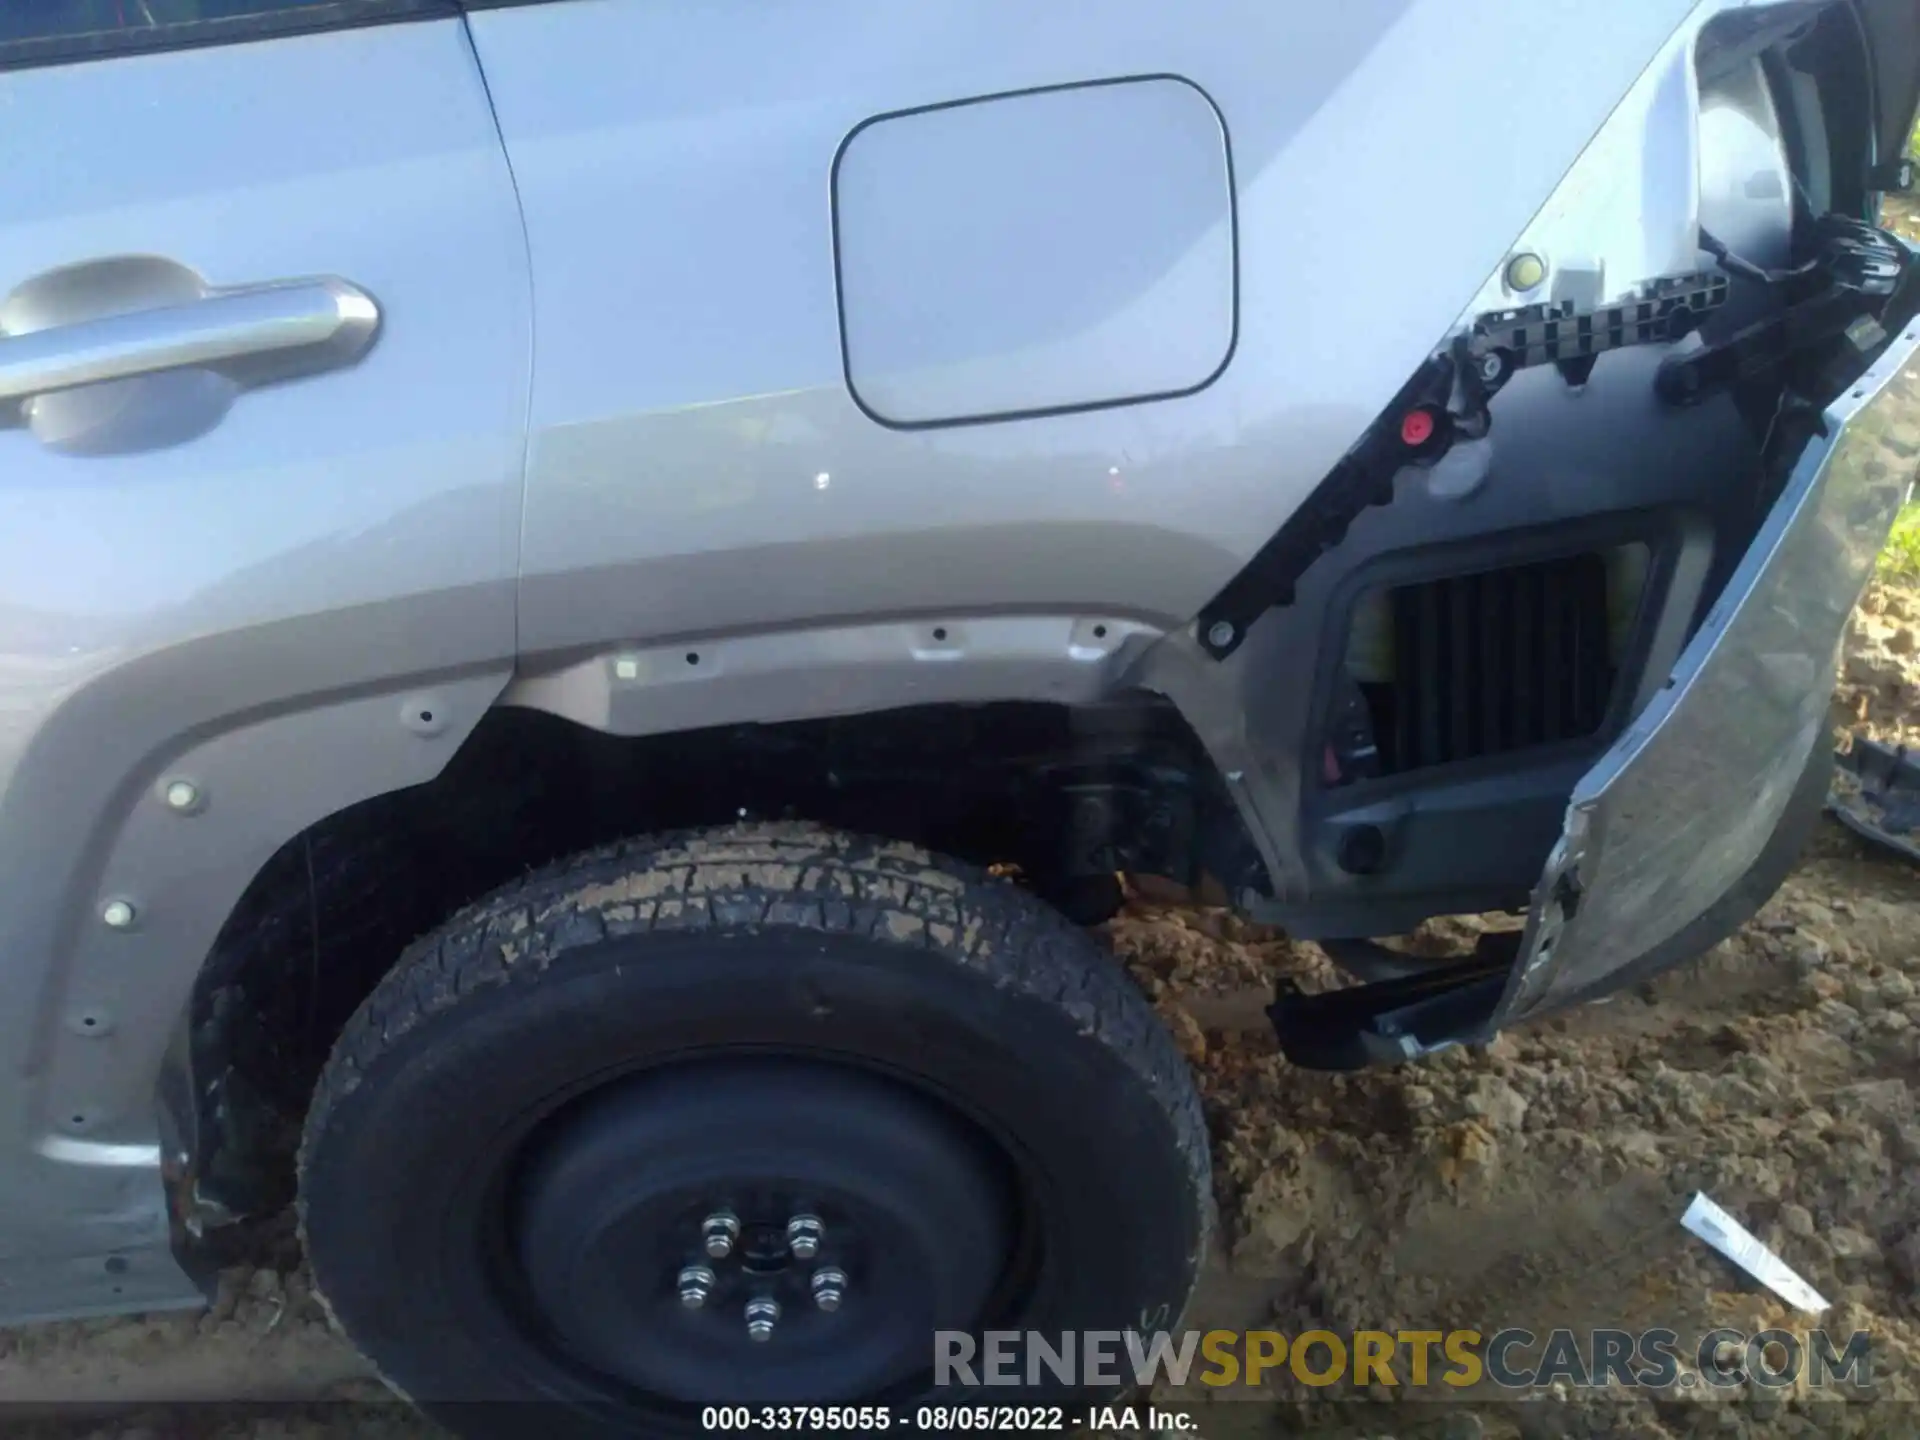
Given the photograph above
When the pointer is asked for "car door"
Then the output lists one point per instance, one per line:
(264, 353)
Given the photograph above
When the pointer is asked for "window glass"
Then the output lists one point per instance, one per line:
(52, 31)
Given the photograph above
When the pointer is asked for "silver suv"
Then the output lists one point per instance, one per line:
(911, 464)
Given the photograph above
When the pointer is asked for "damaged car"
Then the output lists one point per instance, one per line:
(595, 597)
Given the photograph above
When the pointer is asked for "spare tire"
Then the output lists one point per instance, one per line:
(746, 1117)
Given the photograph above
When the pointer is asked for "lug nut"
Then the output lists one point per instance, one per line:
(761, 1313)
(804, 1233)
(696, 1283)
(719, 1230)
(829, 1287)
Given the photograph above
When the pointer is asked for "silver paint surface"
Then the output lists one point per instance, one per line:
(675, 167)
(962, 298)
(245, 605)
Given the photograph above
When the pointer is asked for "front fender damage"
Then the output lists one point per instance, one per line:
(1690, 820)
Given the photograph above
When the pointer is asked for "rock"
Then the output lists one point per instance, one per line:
(1796, 1219)
(1825, 986)
(1850, 1244)
(1882, 1099)
(1905, 1258)
(1640, 1146)
(1495, 1101)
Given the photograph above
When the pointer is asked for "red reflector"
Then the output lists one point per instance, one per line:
(1416, 427)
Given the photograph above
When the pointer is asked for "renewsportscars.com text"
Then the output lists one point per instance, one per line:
(1512, 1358)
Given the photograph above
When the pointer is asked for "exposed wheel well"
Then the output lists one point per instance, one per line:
(1068, 795)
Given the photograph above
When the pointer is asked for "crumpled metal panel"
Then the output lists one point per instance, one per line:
(1678, 810)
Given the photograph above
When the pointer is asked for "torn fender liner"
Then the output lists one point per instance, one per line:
(1679, 809)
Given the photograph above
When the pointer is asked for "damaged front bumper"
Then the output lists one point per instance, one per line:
(1679, 812)
(1692, 818)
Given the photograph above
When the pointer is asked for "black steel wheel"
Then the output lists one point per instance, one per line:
(745, 1118)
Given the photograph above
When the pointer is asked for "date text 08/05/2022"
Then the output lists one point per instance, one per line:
(1054, 1419)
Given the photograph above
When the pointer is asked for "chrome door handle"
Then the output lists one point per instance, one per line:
(253, 334)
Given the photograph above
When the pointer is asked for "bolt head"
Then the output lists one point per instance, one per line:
(117, 914)
(804, 1234)
(762, 1311)
(183, 795)
(829, 1287)
(695, 1282)
(1490, 367)
(1220, 634)
(719, 1230)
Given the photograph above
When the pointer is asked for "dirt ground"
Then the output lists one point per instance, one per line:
(1534, 1182)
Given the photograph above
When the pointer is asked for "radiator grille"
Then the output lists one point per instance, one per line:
(1495, 662)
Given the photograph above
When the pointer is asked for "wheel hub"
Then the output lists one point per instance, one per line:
(759, 1230)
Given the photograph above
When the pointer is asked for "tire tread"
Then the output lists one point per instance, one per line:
(760, 875)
